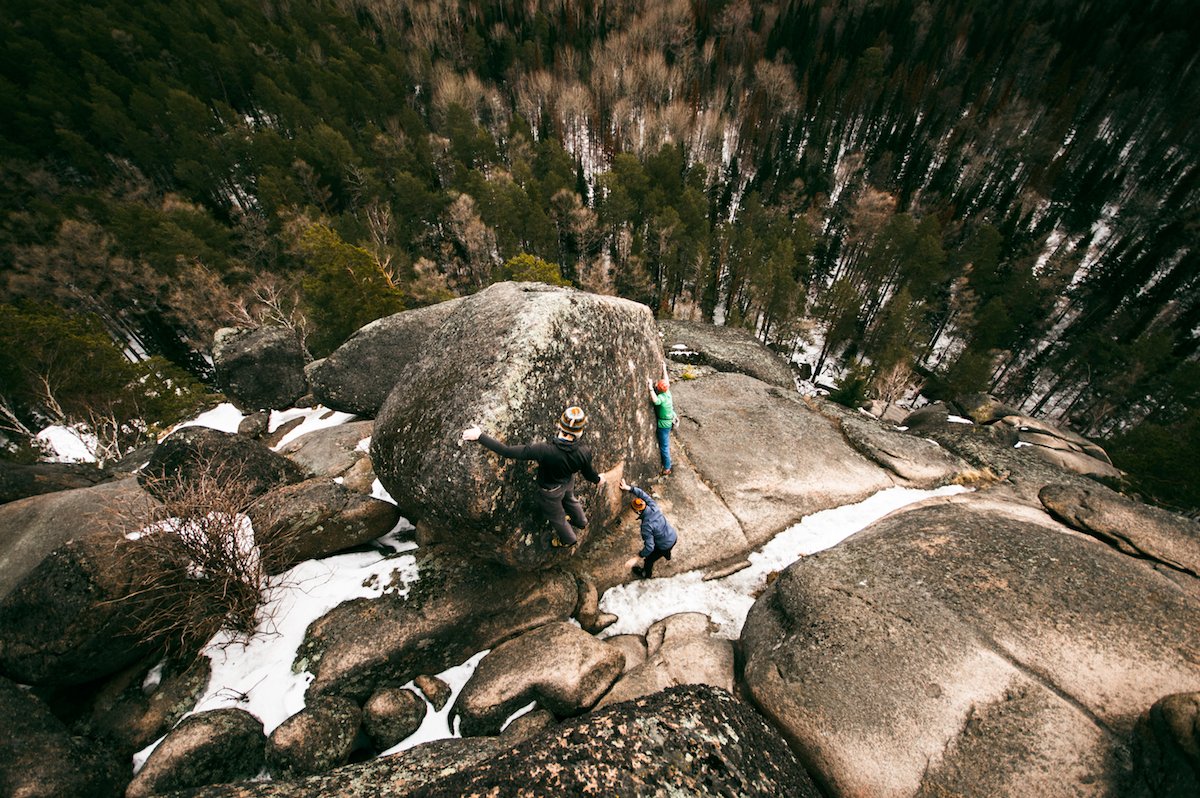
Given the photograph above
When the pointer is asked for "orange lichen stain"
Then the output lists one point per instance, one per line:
(931, 545)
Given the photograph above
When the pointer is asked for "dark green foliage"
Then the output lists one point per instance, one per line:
(851, 392)
(915, 179)
(1162, 461)
(63, 369)
(343, 290)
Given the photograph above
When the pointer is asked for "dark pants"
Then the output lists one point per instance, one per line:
(558, 505)
(655, 556)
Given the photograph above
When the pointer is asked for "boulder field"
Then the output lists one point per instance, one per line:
(1038, 635)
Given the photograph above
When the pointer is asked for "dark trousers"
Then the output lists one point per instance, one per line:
(655, 556)
(562, 510)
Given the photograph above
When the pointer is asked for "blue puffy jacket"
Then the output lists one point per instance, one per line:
(656, 532)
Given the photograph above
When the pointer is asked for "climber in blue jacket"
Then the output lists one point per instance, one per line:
(658, 536)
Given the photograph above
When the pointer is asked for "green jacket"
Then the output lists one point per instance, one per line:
(666, 409)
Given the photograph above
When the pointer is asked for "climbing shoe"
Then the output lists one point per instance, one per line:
(638, 572)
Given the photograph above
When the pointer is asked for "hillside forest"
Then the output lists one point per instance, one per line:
(948, 196)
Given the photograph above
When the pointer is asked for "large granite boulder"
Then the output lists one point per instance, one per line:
(260, 369)
(1042, 433)
(772, 458)
(66, 621)
(972, 647)
(358, 376)
(190, 452)
(560, 666)
(330, 452)
(316, 739)
(726, 349)
(511, 358)
(40, 758)
(31, 528)
(456, 608)
(1167, 748)
(692, 740)
(391, 714)
(21, 480)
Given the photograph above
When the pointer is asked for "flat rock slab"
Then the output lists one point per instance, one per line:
(708, 532)
(916, 461)
(769, 456)
(968, 647)
(329, 451)
(727, 349)
(1138, 529)
(21, 480)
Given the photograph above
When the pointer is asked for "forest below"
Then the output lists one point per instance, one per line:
(948, 196)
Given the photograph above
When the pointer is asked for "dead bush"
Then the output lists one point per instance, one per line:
(196, 568)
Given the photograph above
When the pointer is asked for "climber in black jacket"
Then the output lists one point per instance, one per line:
(558, 461)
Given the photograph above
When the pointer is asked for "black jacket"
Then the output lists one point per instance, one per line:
(558, 459)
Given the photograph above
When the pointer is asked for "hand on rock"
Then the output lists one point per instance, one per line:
(624, 485)
(632, 561)
(472, 433)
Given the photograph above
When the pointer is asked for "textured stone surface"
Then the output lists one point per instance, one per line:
(693, 741)
(560, 666)
(969, 645)
(221, 745)
(770, 457)
(511, 358)
(358, 376)
(33, 527)
(40, 758)
(66, 623)
(458, 607)
(259, 369)
(727, 349)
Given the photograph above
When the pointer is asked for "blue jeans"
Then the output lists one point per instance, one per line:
(664, 445)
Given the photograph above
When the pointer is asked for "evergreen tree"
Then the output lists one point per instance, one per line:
(344, 289)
